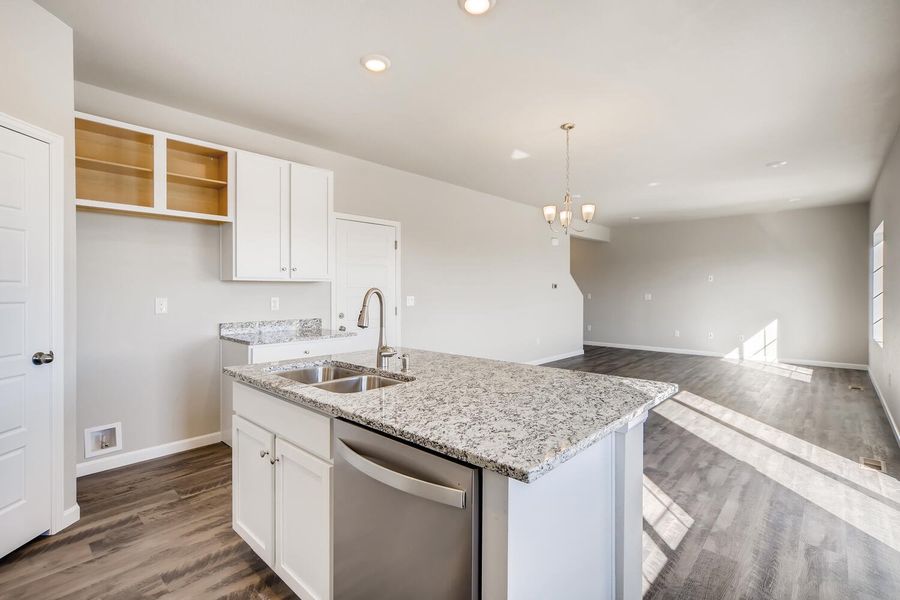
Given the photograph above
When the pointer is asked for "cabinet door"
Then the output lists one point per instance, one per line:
(262, 217)
(312, 229)
(253, 481)
(303, 521)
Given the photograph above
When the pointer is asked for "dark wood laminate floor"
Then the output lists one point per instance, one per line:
(752, 488)
(751, 491)
(161, 528)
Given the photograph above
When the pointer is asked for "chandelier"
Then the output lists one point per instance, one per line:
(566, 214)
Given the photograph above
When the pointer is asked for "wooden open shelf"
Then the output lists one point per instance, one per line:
(196, 178)
(126, 168)
(113, 164)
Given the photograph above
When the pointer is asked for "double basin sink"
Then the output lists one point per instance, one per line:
(340, 380)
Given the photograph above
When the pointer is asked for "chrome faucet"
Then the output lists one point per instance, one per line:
(384, 352)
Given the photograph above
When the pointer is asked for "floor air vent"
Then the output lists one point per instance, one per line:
(856, 388)
(874, 464)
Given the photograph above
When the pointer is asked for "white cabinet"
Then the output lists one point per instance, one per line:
(283, 227)
(302, 521)
(262, 231)
(312, 224)
(282, 498)
(253, 486)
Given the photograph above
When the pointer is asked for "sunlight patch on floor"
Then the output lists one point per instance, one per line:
(669, 521)
(879, 483)
(856, 508)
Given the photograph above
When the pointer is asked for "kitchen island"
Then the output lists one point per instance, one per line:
(559, 453)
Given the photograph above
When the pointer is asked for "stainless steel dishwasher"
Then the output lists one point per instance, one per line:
(406, 521)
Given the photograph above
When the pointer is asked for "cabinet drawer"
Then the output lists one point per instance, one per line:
(301, 350)
(300, 426)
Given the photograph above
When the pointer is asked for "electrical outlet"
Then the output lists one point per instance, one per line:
(741, 338)
(648, 296)
(710, 278)
(410, 300)
(677, 333)
(710, 335)
(553, 286)
(589, 327)
(274, 303)
(161, 306)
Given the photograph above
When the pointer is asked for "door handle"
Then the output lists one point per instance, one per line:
(42, 358)
(400, 481)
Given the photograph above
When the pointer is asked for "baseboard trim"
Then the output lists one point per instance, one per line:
(135, 456)
(655, 349)
(887, 411)
(547, 359)
(69, 517)
(824, 363)
(793, 361)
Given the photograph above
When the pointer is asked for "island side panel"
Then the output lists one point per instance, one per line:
(554, 537)
(230, 354)
(629, 487)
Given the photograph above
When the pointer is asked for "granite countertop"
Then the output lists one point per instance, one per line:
(518, 420)
(258, 333)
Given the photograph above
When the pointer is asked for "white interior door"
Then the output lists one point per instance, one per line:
(25, 470)
(366, 257)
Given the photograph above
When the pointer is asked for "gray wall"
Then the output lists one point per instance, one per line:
(36, 86)
(480, 267)
(805, 268)
(884, 363)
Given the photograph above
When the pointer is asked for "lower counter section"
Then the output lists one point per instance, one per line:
(339, 511)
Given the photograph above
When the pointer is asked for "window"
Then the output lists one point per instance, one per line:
(878, 285)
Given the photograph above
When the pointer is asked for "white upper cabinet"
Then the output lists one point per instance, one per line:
(312, 225)
(262, 231)
(283, 226)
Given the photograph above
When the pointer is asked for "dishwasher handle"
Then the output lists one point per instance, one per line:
(399, 481)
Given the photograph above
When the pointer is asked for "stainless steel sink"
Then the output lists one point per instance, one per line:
(319, 374)
(361, 383)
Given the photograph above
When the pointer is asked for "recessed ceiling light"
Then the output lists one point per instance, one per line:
(635, 218)
(776, 164)
(376, 63)
(654, 184)
(476, 7)
(519, 154)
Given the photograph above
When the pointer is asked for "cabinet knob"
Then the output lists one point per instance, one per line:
(293, 268)
(306, 352)
(284, 268)
(263, 453)
(273, 460)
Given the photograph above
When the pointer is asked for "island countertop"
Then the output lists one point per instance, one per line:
(518, 420)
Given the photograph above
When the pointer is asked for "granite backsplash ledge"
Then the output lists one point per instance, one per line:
(277, 332)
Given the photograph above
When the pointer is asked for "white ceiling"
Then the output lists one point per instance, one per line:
(695, 94)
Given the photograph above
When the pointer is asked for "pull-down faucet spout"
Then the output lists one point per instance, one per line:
(384, 352)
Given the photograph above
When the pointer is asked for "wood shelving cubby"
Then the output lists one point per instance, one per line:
(196, 179)
(113, 164)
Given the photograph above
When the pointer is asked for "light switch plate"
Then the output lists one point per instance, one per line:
(554, 241)
(161, 306)
(274, 303)
(710, 278)
(648, 296)
(589, 296)
(410, 300)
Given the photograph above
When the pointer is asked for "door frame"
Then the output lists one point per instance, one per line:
(60, 517)
(397, 262)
